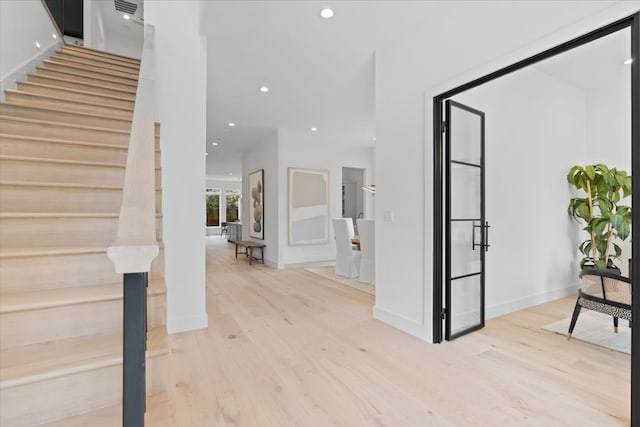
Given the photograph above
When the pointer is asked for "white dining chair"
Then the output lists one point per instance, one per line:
(347, 259)
(366, 231)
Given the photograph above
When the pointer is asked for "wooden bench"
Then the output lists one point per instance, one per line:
(249, 246)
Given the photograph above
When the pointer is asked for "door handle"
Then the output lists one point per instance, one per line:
(473, 235)
(486, 236)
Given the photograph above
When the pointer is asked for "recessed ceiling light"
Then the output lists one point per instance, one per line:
(314, 129)
(126, 17)
(628, 61)
(374, 139)
(206, 154)
(232, 124)
(38, 45)
(264, 89)
(230, 174)
(55, 36)
(326, 13)
(214, 143)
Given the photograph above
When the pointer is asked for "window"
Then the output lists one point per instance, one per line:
(233, 205)
(213, 207)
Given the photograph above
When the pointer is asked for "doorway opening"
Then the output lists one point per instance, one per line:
(352, 194)
(447, 236)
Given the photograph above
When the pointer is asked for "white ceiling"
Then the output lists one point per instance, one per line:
(321, 72)
(596, 65)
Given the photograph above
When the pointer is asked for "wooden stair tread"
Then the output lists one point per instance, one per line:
(102, 95)
(62, 161)
(63, 99)
(68, 125)
(158, 415)
(41, 362)
(95, 59)
(57, 251)
(60, 185)
(71, 125)
(63, 111)
(39, 252)
(58, 79)
(96, 63)
(65, 141)
(106, 78)
(45, 215)
(11, 302)
(96, 52)
(53, 63)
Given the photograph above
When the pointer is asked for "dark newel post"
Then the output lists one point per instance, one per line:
(134, 343)
(635, 204)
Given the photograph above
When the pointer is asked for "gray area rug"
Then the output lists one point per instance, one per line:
(596, 328)
(329, 272)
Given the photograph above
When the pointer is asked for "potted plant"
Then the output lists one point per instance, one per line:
(606, 219)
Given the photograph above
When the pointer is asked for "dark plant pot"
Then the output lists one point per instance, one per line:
(590, 267)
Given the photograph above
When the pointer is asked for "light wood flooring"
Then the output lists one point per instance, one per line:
(290, 348)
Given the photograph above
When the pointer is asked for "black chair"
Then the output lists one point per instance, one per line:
(224, 229)
(605, 292)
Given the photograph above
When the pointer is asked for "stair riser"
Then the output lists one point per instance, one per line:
(127, 73)
(89, 88)
(80, 97)
(115, 76)
(24, 111)
(72, 321)
(30, 171)
(93, 70)
(74, 394)
(95, 64)
(53, 272)
(70, 106)
(23, 233)
(53, 150)
(51, 130)
(79, 56)
(18, 198)
(84, 52)
(81, 79)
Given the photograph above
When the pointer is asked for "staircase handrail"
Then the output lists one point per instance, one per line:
(135, 245)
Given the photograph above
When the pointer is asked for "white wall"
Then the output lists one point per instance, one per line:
(181, 110)
(125, 42)
(264, 156)
(104, 29)
(535, 129)
(296, 151)
(22, 24)
(609, 137)
(409, 72)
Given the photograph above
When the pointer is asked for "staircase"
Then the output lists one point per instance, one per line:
(63, 147)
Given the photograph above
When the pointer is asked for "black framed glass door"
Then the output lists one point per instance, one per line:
(466, 226)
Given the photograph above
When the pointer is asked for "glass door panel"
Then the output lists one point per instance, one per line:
(466, 225)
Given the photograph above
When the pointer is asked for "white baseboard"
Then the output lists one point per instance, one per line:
(306, 260)
(271, 263)
(529, 301)
(309, 258)
(400, 322)
(187, 323)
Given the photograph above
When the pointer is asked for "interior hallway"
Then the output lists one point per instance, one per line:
(290, 348)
